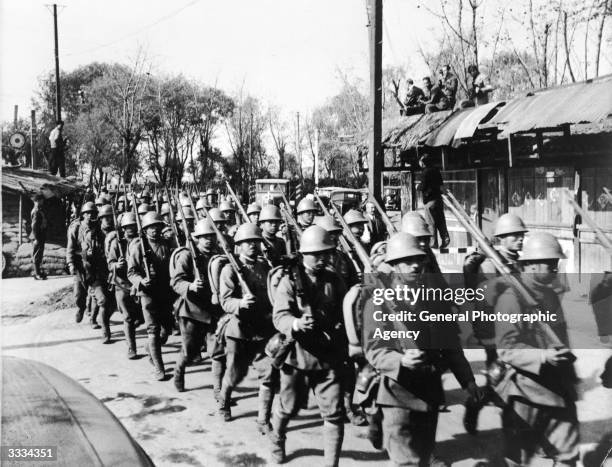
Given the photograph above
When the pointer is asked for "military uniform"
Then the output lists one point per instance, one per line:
(196, 314)
(119, 281)
(316, 360)
(156, 299)
(38, 235)
(540, 409)
(273, 249)
(247, 333)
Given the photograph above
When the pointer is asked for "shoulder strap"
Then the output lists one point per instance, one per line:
(274, 277)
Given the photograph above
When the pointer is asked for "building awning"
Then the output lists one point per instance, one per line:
(589, 102)
(479, 114)
(28, 182)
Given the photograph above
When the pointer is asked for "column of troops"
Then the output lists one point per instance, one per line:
(268, 288)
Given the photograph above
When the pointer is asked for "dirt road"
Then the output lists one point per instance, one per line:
(183, 429)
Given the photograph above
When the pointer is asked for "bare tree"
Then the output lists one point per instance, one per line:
(278, 130)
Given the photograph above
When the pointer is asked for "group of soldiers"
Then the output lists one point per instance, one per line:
(274, 288)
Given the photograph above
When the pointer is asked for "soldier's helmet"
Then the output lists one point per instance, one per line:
(210, 192)
(121, 199)
(541, 246)
(227, 206)
(330, 224)
(315, 239)
(128, 219)
(101, 200)
(253, 208)
(508, 224)
(402, 245)
(306, 205)
(415, 225)
(145, 195)
(248, 231)
(165, 209)
(354, 217)
(270, 212)
(144, 208)
(88, 207)
(203, 227)
(217, 215)
(185, 202)
(188, 214)
(201, 204)
(105, 210)
(152, 218)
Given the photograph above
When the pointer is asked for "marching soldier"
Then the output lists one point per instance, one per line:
(250, 325)
(341, 262)
(77, 257)
(221, 222)
(538, 384)
(356, 221)
(189, 217)
(143, 209)
(228, 209)
(165, 213)
(200, 205)
(415, 225)
(153, 287)
(38, 235)
(211, 198)
(274, 248)
(253, 211)
(116, 251)
(306, 211)
(510, 230)
(308, 309)
(410, 390)
(101, 200)
(196, 319)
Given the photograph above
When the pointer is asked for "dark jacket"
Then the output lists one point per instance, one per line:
(158, 258)
(431, 181)
(39, 224)
(189, 304)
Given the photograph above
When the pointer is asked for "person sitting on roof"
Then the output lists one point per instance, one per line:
(480, 87)
(412, 104)
(433, 95)
(448, 84)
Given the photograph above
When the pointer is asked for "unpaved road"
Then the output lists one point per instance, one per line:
(183, 429)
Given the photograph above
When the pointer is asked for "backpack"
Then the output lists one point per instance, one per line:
(353, 320)
(215, 266)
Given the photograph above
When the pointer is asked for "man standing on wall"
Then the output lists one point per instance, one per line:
(56, 159)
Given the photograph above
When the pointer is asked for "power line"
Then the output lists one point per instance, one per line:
(135, 33)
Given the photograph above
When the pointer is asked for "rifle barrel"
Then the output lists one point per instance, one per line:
(142, 237)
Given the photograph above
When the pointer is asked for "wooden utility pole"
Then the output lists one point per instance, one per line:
(16, 116)
(33, 139)
(375, 156)
(58, 94)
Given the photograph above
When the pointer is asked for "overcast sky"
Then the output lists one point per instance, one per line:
(285, 51)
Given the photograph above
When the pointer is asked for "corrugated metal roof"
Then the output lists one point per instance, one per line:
(480, 114)
(588, 102)
(445, 133)
(27, 181)
(405, 133)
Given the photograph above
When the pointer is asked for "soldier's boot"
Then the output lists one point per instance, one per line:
(266, 396)
(225, 398)
(333, 435)
(375, 429)
(179, 372)
(278, 436)
(470, 416)
(354, 416)
(130, 337)
(79, 315)
(106, 324)
(155, 352)
(218, 370)
(94, 309)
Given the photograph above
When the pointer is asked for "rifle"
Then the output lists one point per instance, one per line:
(390, 227)
(171, 213)
(230, 257)
(601, 237)
(359, 249)
(343, 243)
(142, 236)
(156, 194)
(188, 242)
(116, 226)
(195, 213)
(240, 207)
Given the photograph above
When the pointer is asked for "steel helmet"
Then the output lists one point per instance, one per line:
(128, 218)
(105, 210)
(165, 209)
(188, 214)
(315, 239)
(402, 245)
(185, 201)
(253, 208)
(507, 224)
(270, 212)
(203, 227)
(145, 194)
(248, 231)
(121, 199)
(541, 246)
(201, 204)
(217, 215)
(101, 200)
(151, 218)
(415, 225)
(210, 191)
(144, 208)
(227, 206)
(88, 207)
(329, 224)
(306, 205)
(354, 217)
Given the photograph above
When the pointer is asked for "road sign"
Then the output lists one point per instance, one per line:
(17, 140)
